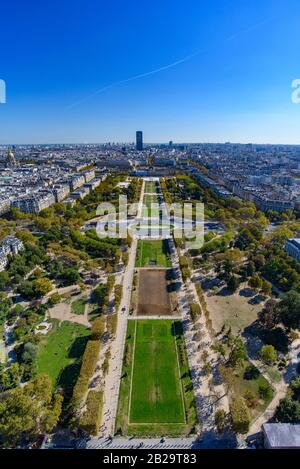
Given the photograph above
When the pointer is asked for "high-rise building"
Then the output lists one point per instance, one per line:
(139, 140)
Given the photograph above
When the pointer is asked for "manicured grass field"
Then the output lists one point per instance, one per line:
(78, 306)
(150, 186)
(156, 394)
(151, 212)
(150, 199)
(157, 251)
(151, 206)
(60, 353)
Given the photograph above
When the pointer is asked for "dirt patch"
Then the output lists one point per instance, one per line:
(237, 309)
(153, 297)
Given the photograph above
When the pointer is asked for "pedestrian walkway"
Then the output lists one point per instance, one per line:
(208, 398)
(169, 317)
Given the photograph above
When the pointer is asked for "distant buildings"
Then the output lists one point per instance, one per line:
(77, 180)
(292, 247)
(60, 192)
(11, 161)
(139, 140)
(35, 203)
(214, 186)
(268, 175)
(9, 245)
(265, 203)
(118, 164)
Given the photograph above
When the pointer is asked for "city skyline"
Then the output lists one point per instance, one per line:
(94, 73)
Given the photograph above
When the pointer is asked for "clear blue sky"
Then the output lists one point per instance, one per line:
(235, 84)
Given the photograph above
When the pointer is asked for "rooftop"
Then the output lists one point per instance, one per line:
(295, 241)
(283, 435)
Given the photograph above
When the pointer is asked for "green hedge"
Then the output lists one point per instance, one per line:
(90, 358)
(98, 328)
(195, 311)
(186, 273)
(91, 419)
(111, 323)
(80, 390)
(183, 262)
(88, 366)
(118, 295)
(110, 282)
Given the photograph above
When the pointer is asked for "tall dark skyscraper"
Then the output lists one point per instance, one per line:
(139, 140)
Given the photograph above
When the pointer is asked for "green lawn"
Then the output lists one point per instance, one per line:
(151, 212)
(60, 353)
(157, 251)
(150, 199)
(150, 186)
(151, 206)
(156, 394)
(241, 385)
(78, 306)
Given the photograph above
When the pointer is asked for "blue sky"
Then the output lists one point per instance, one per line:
(235, 84)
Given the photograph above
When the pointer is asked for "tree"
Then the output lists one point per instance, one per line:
(4, 280)
(54, 299)
(268, 354)
(240, 415)
(265, 391)
(295, 389)
(26, 289)
(269, 316)
(220, 420)
(289, 310)
(29, 353)
(259, 262)
(266, 288)
(28, 411)
(233, 283)
(10, 378)
(288, 411)
(238, 352)
(70, 276)
(228, 267)
(255, 282)
(251, 372)
(250, 269)
(227, 376)
(250, 398)
(101, 294)
(42, 286)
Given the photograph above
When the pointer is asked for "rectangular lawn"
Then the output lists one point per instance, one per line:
(156, 394)
(155, 398)
(150, 187)
(153, 253)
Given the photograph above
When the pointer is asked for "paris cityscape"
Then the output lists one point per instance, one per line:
(118, 331)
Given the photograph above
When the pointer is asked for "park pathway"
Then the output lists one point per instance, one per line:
(113, 378)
